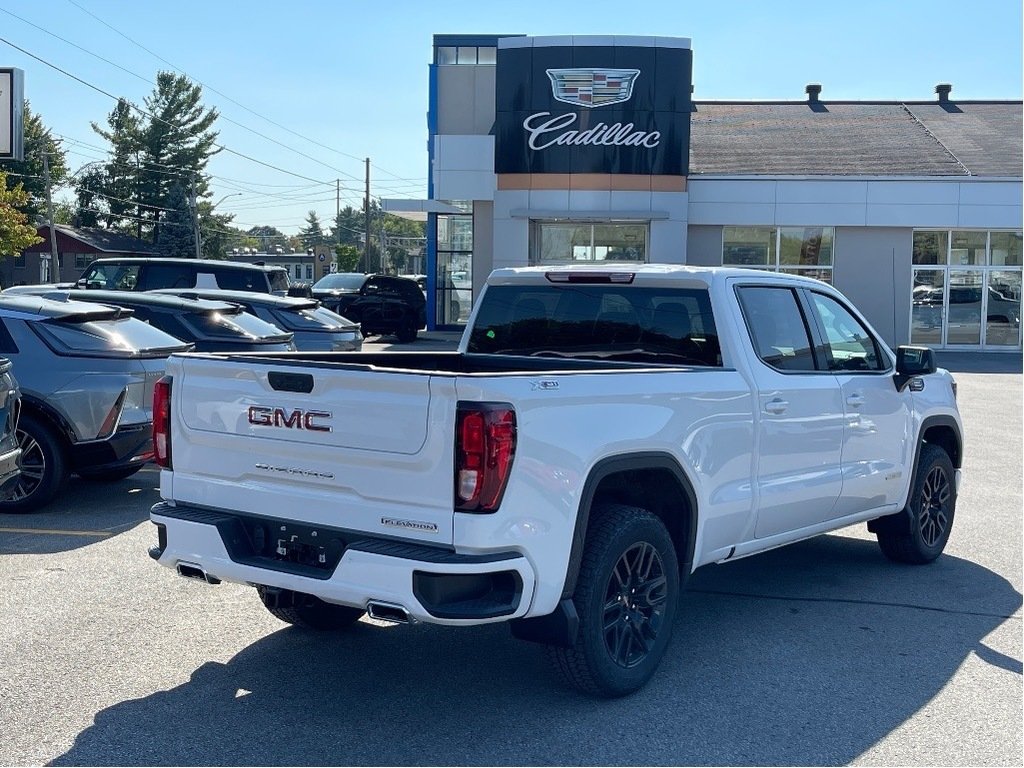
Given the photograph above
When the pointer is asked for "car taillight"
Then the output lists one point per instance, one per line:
(162, 422)
(485, 444)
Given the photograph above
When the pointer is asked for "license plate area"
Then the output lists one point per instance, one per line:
(278, 545)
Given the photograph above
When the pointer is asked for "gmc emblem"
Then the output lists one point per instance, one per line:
(278, 417)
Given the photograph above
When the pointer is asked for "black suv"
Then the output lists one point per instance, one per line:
(147, 274)
(381, 304)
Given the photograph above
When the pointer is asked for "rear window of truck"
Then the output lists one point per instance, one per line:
(607, 322)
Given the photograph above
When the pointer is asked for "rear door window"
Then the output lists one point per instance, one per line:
(157, 275)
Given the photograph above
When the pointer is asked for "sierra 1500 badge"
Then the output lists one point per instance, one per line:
(264, 416)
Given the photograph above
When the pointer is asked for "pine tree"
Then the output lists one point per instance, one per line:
(312, 234)
(177, 234)
(117, 186)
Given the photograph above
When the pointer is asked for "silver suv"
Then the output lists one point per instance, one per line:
(86, 373)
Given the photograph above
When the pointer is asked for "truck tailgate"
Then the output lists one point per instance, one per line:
(343, 447)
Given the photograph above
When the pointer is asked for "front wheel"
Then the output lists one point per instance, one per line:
(932, 505)
(626, 597)
(307, 611)
(407, 333)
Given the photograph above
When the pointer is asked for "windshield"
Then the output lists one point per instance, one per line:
(607, 322)
(127, 337)
(347, 281)
(233, 324)
(311, 319)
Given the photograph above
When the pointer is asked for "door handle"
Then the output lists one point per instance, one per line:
(855, 401)
(776, 406)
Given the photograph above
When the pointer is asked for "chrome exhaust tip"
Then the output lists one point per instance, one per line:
(191, 571)
(388, 612)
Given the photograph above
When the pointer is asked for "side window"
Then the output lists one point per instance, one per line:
(238, 279)
(156, 276)
(848, 345)
(777, 328)
(113, 277)
(6, 340)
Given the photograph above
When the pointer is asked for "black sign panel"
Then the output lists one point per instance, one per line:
(593, 109)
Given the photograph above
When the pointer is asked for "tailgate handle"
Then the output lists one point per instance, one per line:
(290, 382)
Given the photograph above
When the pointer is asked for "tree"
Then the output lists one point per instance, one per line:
(118, 184)
(16, 234)
(347, 257)
(29, 173)
(312, 234)
(177, 236)
(218, 234)
(268, 237)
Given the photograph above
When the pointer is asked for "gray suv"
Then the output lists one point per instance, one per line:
(86, 373)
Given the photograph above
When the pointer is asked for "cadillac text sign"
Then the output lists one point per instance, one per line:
(12, 102)
(593, 109)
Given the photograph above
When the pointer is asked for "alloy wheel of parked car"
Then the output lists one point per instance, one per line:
(43, 467)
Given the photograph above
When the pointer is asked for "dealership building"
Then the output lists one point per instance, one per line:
(553, 150)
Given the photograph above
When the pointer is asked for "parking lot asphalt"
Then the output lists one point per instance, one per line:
(820, 653)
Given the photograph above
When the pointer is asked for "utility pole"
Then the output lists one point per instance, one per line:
(55, 259)
(366, 219)
(195, 217)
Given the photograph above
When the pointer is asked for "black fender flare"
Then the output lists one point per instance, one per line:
(899, 522)
(624, 463)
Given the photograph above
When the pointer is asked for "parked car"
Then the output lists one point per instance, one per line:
(212, 326)
(86, 374)
(381, 304)
(147, 274)
(10, 451)
(316, 328)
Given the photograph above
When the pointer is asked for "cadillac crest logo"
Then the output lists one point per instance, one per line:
(590, 87)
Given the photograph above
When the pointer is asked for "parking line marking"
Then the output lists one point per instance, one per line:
(58, 532)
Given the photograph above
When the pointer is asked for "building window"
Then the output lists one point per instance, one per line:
(309, 271)
(82, 260)
(466, 54)
(559, 242)
(803, 251)
(454, 276)
(19, 260)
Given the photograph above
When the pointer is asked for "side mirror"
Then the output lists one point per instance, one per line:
(82, 283)
(912, 362)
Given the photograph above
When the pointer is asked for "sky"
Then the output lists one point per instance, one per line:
(328, 84)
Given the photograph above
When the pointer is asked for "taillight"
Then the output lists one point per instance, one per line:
(162, 422)
(485, 444)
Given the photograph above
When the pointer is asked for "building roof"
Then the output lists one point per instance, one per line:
(105, 240)
(966, 138)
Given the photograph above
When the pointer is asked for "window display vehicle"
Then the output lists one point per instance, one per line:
(86, 373)
(601, 433)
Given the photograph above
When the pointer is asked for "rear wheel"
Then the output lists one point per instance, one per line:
(307, 611)
(626, 597)
(932, 506)
(407, 333)
(43, 466)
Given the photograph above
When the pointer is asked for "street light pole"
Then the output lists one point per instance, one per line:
(195, 216)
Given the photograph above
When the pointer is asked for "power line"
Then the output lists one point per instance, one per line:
(151, 115)
(224, 95)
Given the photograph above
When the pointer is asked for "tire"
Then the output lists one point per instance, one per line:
(109, 475)
(610, 658)
(932, 506)
(44, 466)
(407, 333)
(307, 611)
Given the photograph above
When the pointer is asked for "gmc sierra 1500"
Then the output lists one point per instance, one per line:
(601, 432)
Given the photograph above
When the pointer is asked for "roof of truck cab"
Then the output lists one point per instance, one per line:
(682, 271)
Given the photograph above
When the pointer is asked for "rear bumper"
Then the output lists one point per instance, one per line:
(433, 584)
(129, 446)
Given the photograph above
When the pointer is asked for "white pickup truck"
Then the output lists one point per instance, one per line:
(600, 433)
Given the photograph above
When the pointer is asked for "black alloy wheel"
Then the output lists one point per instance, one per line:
(634, 608)
(919, 533)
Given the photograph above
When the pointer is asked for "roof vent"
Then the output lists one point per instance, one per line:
(943, 90)
(813, 90)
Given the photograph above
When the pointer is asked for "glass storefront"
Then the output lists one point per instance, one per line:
(454, 269)
(966, 289)
(558, 242)
(803, 251)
